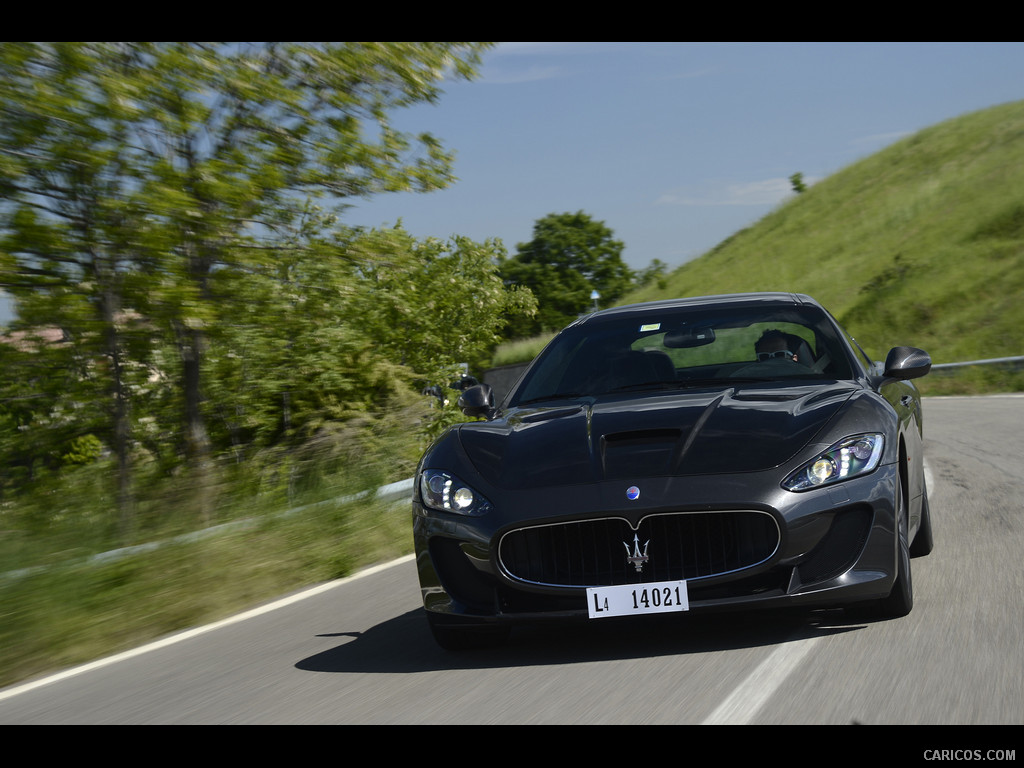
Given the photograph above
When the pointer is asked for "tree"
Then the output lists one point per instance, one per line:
(654, 273)
(132, 175)
(570, 256)
(40, 412)
(433, 304)
(337, 329)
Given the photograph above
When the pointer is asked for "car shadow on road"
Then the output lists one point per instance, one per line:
(404, 644)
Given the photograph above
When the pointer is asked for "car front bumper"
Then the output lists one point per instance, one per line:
(835, 545)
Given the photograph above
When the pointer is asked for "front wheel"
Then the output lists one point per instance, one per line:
(901, 600)
(923, 541)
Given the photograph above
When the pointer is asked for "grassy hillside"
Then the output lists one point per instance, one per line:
(920, 244)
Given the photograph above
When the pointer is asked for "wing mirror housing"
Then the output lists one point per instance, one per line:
(907, 363)
(477, 400)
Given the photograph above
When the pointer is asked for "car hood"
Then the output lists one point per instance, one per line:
(734, 430)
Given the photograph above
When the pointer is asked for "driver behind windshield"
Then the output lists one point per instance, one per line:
(776, 345)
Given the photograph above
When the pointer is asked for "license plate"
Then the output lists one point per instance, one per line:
(630, 599)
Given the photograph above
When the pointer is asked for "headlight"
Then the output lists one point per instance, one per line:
(442, 490)
(852, 457)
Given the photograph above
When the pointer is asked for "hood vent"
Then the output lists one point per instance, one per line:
(638, 453)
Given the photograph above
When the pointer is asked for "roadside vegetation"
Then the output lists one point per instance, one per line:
(199, 338)
(71, 596)
(520, 350)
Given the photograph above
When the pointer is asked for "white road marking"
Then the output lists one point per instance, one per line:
(746, 700)
(188, 634)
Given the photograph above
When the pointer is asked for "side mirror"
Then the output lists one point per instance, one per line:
(907, 363)
(478, 400)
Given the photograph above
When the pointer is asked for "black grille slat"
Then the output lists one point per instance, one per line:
(682, 546)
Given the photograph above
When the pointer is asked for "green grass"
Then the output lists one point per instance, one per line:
(297, 521)
(71, 613)
(920, 244)
(520, 350)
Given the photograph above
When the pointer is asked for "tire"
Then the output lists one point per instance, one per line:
(460, 637)
(901, 599)
(923, 542)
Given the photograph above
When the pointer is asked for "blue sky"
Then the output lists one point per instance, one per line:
(675, 146)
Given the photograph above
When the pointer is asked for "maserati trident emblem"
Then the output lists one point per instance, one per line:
(632, 493)
(636, 557)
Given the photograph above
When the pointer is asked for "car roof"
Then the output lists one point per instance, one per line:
(732, 299)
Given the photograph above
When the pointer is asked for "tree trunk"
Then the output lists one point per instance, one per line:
(121, 415)
(197, 439)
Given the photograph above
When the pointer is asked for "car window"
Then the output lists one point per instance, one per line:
(731, 345)
(675, 348)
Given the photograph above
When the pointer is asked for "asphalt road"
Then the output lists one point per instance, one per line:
(359, 651)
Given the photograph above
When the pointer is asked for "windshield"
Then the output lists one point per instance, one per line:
(676, 348)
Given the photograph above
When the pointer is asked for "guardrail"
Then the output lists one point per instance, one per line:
(392, 493)
(1016, 362)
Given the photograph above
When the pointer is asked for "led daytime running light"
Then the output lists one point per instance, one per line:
(442, 490)
(852, 457)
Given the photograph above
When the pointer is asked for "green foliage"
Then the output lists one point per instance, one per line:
(520, 350)
(155, 210)
(653, 274)
(49, 399)
(84, 450)
(920, 244)
(345, 327)
(570, 256)
(432, 305)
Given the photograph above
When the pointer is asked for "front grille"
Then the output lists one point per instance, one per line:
(592, 553)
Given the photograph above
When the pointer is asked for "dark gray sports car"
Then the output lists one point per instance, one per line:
(705, 453)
